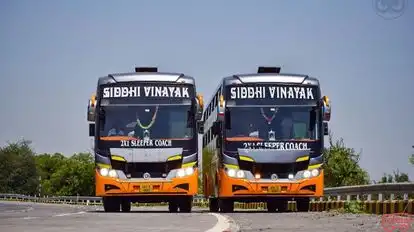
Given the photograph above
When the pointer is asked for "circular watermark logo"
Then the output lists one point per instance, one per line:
(389, 9)
(397, 222)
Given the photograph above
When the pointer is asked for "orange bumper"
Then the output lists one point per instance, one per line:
(240, 188)
(107, 186)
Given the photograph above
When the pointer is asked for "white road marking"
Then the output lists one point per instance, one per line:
(68, 214)
(223, 223)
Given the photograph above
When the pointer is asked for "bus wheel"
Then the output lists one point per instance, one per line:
(213, 204)
(272, 206)
(226, 205)
(111, 204)
(126, 206)
(172, 206)
(186, 204)
(303, 204)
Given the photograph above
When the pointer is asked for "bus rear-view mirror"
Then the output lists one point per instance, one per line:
(200, 127)
(325, 128)
(91, 129)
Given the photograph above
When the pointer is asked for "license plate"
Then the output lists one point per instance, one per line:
(274, 189)
(146, 188)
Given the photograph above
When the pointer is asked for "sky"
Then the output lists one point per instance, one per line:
(52, 53)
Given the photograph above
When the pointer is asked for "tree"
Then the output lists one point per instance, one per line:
(342, 165)
(74, 176)
(18, 172)
(412, 159)
(397, 177)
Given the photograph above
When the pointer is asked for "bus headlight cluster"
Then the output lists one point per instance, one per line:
(310, 173)
(185, 172)
(108, 172)
(235, 173)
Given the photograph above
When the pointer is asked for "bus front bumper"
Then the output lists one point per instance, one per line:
(243, 188)
(152, 187)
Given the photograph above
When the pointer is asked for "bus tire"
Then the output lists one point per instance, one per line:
(272, 206)
(126, 206)
(111, 204)
(186, 204)
(302, 205)
(172, 206)
(226, 205)
(213, 204)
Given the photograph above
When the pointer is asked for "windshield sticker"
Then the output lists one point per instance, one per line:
(146, 143)
(146, 91)
(278, 92)
(285, 146)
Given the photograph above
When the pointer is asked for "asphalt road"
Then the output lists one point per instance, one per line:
(19, 217)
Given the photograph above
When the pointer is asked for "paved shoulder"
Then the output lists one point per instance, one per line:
(309, 222)
(16, 217)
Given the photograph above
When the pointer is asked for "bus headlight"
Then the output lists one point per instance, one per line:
(104, 171)
(185, 172)
(315, 172)
(307, 174)
(112, 173)
(108, 172)
(235, 173)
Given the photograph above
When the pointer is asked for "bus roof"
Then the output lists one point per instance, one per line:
(147, 76)
(270, 78)
(263, 78)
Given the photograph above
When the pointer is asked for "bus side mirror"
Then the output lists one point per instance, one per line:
(199, 108)
(200, 127)
(325, 128)
(91, 129)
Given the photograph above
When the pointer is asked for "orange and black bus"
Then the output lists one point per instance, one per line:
(263, 140)
(145, 126)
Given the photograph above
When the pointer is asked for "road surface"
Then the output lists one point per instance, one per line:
(22, 216)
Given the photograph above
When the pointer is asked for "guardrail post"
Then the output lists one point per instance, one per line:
(392, 196)
(348, 197)
(369, 197)
(380, 196)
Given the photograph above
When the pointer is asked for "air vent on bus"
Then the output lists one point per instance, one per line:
(263, 69)
(146, 69)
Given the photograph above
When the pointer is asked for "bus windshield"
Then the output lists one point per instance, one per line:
(145, 122)
(271, 123)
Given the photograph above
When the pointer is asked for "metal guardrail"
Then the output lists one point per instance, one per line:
(376, 198)
(390, 191)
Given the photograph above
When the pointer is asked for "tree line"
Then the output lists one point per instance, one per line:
(22, 171)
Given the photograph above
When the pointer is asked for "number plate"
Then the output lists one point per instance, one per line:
(274, 189)
(145, 188)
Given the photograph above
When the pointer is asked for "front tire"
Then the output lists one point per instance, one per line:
(186, 204)
(126, 206)
(303, 204)
(111, 204)
(213, 205)
(172, 207)
(226, 205)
